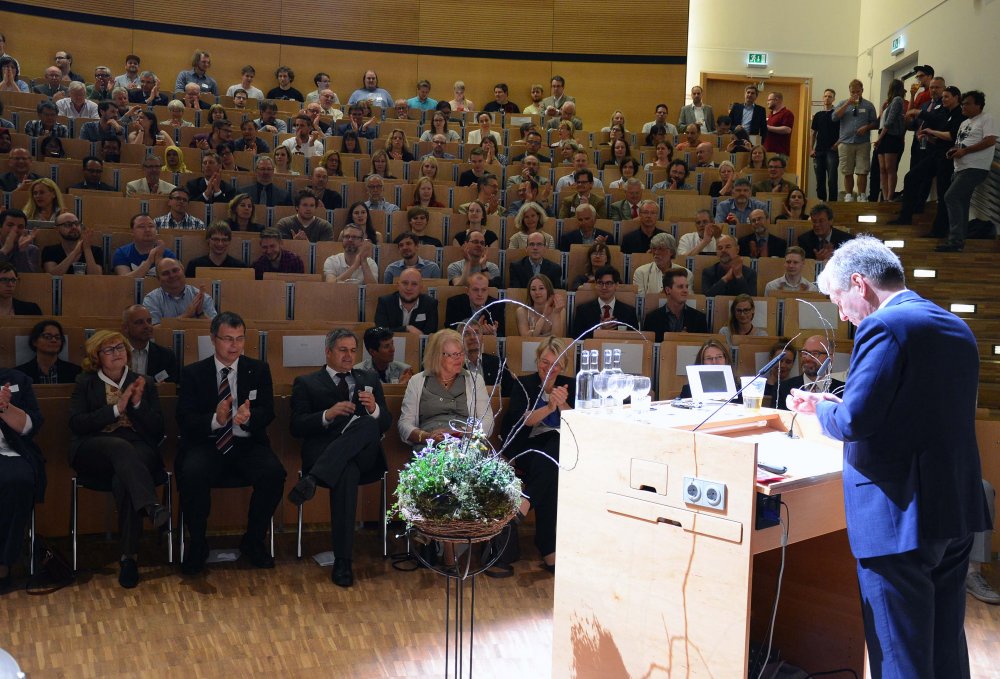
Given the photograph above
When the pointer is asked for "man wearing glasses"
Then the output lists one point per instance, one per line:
(604, 309)
(218, 236)
(475, 261)
(178, 217)
(8, 305)
(814, 352)
(74, 252)
(103, 84)
(354, 264)
(224, 407)
(584, 184)
(340, 413)
(152, 166)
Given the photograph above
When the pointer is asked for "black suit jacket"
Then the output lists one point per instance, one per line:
(389, 315)
(66, 372)
(24, 444)
(23, 308)
(279, 196)
(656, 321)
(588, 315)
(458, 309)
(521, 273)
(196, 191)
(775, 246)
(89, 412)
(712, 284)
(137, 97)
(198, 398)
(162, 359)
(809, 241)
(758, 124)
(778, 397)
(574, 238)
(314, 393)
(489, 366)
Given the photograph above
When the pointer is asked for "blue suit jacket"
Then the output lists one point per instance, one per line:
(911, 463)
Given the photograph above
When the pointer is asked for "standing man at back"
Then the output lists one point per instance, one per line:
(913, 490)
(858, 117)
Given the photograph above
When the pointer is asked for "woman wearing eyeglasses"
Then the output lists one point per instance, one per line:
(741, 313)
(47, 341)
(444, 398)
(117, 424)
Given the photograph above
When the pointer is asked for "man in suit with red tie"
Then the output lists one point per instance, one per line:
(913, 488)
(341, 414)
(604, 309)
(223, 410)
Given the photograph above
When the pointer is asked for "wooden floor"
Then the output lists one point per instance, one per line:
(293, 622)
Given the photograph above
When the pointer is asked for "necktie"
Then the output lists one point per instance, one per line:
(762, 247)
(605, 312)
(224, 440)
(343, 391)
(635, 211)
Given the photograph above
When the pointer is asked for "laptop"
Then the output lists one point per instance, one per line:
(711, 382)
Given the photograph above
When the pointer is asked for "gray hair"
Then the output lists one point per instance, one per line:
(664, 240)
(147, 74)
(258, 159)
(338, 334)
(586, 207)
(75, 86)
(647, 201)
(632, 181)
(175, 105)
(867, 256)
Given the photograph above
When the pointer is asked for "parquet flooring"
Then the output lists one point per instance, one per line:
(237, 621)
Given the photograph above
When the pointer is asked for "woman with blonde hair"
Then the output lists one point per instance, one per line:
(712, 352)
(531, 423)
(116, 425)
(547, 315)
(460, 103)
(617, 119)
(380, 164)
(423, 194)
(397, 147)
(241, 212)
(529, 219)
(444, 398)
(45, 201)
(173, 160)
(176, 110)
(723, 187)
(429, 168)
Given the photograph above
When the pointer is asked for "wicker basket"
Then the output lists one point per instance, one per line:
(458, 530)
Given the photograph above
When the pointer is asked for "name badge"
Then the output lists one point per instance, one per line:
(160, 376)
(253, 395)
(14, 388)
(420, 317)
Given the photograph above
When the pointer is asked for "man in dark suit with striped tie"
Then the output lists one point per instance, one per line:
(223, 410)
(341, 414)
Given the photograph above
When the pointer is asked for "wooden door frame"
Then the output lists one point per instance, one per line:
(803, 116)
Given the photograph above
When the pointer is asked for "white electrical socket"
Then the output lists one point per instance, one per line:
(704, 493)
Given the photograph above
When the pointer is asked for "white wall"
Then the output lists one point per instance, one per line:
(800, 38)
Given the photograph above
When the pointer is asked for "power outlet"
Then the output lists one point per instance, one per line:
(704, 493)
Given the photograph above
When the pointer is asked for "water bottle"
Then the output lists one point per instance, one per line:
(584, 381)
(616, 361)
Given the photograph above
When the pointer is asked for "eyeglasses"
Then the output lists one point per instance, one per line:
(111, 351)
(8, 280)
(50, 337)
(604, 284)
(744, 311)
(352, 238)
(452, 354)
(231, 340)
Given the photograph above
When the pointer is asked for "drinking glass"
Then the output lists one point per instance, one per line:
(602, 386)
(621, 387)
(640, 395)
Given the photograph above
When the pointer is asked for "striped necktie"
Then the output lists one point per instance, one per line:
(224, 442)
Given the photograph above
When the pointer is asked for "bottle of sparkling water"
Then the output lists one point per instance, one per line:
(585, 381)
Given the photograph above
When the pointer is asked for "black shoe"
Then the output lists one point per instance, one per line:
(194, 560)
(303, 490)
(128, 575)
(948, 247)
(158, 515)
(342, 574)
(256, 554)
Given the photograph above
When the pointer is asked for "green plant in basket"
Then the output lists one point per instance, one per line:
(457, 480)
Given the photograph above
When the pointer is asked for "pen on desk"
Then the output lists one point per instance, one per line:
(772, 468)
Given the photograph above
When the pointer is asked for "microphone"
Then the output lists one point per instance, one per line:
(760, 373)
(825, 366)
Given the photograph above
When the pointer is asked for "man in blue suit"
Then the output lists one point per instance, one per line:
(913, 490)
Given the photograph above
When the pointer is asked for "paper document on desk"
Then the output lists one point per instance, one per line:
(775, 449)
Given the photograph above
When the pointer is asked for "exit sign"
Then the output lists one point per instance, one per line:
(758, 59)
(897, 46)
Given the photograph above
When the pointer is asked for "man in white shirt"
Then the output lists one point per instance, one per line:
(660, 119)
(76, 105)
(697, 113)
(973, 157)
(376, 186)
(354, 264)
(702, 240)
(175, 298)
(649, 277)
(152, 166)
(792, 281)
(580, 162)
(306, 141)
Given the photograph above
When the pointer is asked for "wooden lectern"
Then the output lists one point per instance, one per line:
(650, 584)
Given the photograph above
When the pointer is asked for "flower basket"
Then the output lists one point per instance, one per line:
(458, 490)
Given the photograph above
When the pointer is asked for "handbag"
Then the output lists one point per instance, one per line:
(52, 570)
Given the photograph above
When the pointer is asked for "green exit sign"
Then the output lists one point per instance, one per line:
(897, 46)
(757, 59)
